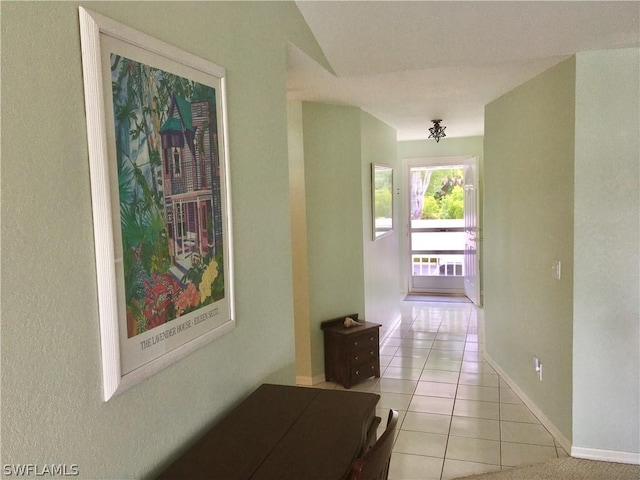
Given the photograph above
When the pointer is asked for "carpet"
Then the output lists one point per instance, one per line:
(565, 468)
(436, 298)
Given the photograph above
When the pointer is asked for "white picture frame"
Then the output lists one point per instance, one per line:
(381, 200)
(158, 156)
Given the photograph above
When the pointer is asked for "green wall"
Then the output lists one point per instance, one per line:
(338, 267)
(447, 147)
(528, 223)
(382, 261)
(52, 408)
(557, 188)
(334, 215)
(606, 297)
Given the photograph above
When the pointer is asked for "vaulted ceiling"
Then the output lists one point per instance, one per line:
(408, 63)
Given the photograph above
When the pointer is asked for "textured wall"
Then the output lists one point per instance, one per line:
(382, 261)
(334, 214)
(52, 408)
(606, 331)
(337, 267)
(528, 223)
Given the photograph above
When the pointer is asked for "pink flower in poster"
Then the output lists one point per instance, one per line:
(158, 300)
(189, 297)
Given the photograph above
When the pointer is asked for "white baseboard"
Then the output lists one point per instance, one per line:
(389, 330)
(606, 455)
(309, 381)
(548, 424)
(578, 452)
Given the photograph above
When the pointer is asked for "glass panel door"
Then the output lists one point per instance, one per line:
(471, 235)
(437, 229)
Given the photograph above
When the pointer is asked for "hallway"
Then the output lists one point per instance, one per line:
(457, 416)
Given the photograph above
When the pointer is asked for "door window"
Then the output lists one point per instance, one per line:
(437, 228)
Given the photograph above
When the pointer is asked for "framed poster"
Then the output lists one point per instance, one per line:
(156, 126)
(382, 200)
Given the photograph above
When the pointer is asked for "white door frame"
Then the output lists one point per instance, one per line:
(472, 240)
(407, 164)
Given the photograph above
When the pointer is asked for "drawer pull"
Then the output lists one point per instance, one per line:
(355, 358)
(355, 344)
(372, 353)
(357, 373)
(372, 338)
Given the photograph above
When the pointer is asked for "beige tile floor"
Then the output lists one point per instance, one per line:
(457, 416)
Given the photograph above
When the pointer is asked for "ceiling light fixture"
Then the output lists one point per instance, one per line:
(437, 131)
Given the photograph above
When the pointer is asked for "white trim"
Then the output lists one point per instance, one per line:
(101, 201)
(457, 287)
(564, 442)
(392, 327)
(606, 455)
(578, 452)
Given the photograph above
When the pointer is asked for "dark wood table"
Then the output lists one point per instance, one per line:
(283, 432)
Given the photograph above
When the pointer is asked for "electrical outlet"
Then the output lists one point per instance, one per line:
(537, 365)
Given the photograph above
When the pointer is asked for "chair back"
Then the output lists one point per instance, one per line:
(374, 464)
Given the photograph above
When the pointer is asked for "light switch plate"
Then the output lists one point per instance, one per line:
(557, 269)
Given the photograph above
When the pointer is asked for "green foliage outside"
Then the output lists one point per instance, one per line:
(383, 203)
(383, 184)
(452, 204)
(444, 198)
(384, 181)
(431, 209)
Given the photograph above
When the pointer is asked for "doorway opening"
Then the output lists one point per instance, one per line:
(442, 225)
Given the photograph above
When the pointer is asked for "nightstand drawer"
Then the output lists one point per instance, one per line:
(364, 356)
(364, 371)
(367, 341)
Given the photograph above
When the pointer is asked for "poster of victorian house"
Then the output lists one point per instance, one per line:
(169, 185)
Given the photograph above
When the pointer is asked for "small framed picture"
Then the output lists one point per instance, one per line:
(382, 200)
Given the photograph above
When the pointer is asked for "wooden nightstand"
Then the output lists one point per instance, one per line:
(351, 354)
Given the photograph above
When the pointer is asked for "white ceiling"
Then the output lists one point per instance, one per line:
(407, 63)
